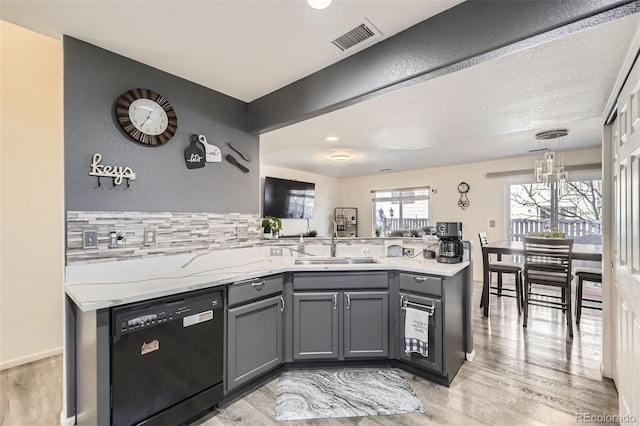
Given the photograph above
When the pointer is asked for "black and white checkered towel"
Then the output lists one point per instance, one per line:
(416, 331)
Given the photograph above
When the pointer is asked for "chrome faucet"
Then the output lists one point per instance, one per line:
(334, 239)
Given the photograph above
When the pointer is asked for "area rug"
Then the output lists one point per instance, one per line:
(352, 393)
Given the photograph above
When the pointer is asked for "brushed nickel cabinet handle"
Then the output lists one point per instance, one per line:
(335, 301)
(420, 278)
(348, 302)
(282, 300)
(257, 286)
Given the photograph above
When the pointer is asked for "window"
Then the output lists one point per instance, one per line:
(394, 209)
(535, 207)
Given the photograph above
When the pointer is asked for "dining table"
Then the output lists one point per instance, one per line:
(589, 252)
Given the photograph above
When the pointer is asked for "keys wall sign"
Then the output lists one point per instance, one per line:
(117, 173)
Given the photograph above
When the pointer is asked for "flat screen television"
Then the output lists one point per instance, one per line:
(288, 199)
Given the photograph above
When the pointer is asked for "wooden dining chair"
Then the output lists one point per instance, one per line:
(547, 262)
(592, 275)
(500, 267)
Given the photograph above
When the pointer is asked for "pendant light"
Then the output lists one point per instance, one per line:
(551, 168)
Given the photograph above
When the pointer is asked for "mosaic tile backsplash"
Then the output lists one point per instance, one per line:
(175, 233)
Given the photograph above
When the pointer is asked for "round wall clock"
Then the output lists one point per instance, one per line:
(146, 116)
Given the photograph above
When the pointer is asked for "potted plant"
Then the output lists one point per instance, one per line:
(553, 233)
(271, 224)
(377, 230)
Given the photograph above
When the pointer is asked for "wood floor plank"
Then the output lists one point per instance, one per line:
(32, 393)
(521, 376)
(240, 412)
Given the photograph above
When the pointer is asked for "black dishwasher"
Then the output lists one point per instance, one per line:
(166, 359)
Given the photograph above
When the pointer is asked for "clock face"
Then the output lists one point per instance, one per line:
(146, 116)
(463, 187)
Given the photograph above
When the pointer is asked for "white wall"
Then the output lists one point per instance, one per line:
(326, 199)
(31, 196)
(487, 195)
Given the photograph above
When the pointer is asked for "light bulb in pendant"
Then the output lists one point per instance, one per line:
(550, 159)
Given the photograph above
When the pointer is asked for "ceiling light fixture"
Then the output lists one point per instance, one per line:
(341, 156)
(331, 138)
(549, 170)
(319, 4)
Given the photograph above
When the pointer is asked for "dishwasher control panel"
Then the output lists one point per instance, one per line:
(190, 310)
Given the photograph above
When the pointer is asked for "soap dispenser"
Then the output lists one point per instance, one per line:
(300, 246)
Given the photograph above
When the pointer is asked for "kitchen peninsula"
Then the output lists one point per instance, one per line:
(280, 311)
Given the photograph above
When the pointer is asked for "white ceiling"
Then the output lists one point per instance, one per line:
(247, 49)
(242, 48)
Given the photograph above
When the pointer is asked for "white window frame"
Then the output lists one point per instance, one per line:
(399, 199)
(574, 177)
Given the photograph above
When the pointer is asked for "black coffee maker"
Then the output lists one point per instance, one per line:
(450, 234)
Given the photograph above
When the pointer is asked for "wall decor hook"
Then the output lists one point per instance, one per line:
(117, 173)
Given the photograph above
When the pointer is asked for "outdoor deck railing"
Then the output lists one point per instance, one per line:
(393, 223)
(571, 228)
(583, 229)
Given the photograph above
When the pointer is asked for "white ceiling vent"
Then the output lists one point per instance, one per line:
(361, 35)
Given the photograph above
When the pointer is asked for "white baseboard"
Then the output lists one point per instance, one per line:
(30, 358)
(470, 356)
(67, 421)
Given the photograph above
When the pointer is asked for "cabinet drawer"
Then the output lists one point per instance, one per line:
(340, 280)
(258, 288)
(421, 284)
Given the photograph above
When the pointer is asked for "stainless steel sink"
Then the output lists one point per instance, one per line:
(335, 260)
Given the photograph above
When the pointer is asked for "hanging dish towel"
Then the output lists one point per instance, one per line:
(416, 331)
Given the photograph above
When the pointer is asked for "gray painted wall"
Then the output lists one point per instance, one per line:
(93, 79)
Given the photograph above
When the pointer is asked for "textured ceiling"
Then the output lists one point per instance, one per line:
(243, 48)
(488, 111)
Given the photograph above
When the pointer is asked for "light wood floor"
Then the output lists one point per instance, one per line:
(519, 377)
(31, 394)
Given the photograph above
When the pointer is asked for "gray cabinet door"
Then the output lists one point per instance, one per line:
(254, 340)
(366, 324)
(315, 325)
(434, 360)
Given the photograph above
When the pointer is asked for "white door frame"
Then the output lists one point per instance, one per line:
(608, 320)
(621, 251)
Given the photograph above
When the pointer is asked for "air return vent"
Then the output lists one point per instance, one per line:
(364, 32)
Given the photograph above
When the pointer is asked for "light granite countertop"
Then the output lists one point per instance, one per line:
(103, 285)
